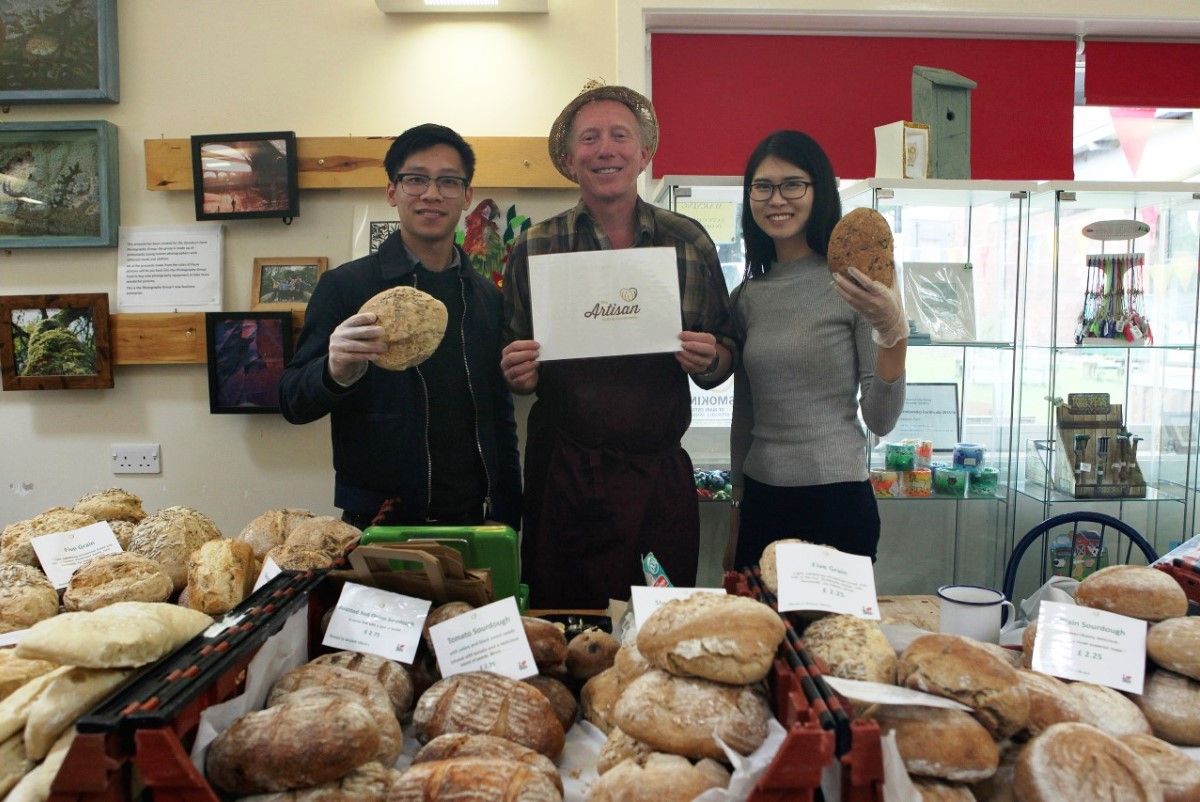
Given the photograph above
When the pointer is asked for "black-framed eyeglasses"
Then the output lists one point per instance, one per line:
(791, 189)
(417, 184)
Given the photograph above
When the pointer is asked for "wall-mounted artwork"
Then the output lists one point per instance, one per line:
(285, 282)
(247, 352)
(58, 184)
(55, 342)
(238, 176)
(58, 51)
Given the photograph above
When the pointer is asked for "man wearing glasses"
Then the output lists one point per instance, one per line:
(435, 443)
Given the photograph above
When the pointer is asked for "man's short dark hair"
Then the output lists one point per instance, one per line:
(423, 137)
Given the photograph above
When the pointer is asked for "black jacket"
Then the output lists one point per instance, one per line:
(378, 424)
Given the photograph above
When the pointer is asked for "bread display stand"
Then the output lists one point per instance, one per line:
(140, 731)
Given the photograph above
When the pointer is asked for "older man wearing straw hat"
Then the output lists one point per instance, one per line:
(606, 479)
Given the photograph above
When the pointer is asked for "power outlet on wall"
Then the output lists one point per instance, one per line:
(135, 458)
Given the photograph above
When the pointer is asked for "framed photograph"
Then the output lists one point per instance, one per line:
(58, 184)
(930, 413)
(285, 282)
(58, 51)
(240, 176)
(247, 352)
(55, 342)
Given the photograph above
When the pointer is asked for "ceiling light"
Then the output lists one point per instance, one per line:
(463, 6)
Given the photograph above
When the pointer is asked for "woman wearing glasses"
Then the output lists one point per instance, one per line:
(817, 348)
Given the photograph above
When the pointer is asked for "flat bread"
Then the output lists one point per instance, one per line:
(863, 239)
(413, 325)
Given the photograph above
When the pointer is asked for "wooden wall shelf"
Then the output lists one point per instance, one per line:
(165, 338)
(357, 163)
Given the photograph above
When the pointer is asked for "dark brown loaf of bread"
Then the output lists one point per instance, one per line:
(560, 698)
(462, 744)
(473, 779)
(443, 612)
(863, 239)
(391, 737)
(1075, 762)
(394, 677)
(489, 704)
(590, 652)
(546, 640)
(939, 742)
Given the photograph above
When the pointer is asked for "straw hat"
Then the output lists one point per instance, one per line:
(593, 90)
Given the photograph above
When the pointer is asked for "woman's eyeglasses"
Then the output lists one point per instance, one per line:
(792, 189)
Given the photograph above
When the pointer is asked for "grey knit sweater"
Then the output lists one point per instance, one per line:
(807, 360)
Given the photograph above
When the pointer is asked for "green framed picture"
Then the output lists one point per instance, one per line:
(58, 51)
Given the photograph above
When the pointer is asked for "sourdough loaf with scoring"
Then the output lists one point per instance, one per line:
(394, 677)
(391, 738)
(1075, 762)
(369, 782)
(1133, 590)
(170, 535)
(468, 779)
(462, 744)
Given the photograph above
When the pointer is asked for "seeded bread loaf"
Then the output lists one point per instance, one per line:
(298, 558)
(863, 239)
(26, 597)
(413, 324)
(323, 533)
(662, 778)
(394, 677)
(1174, 644)
(169, 536)
(16, 540)
(852, 648)
(1133, 590)
(938, 742)
(270, 529)
(113, 504)
(221, 574)
(1075, 762)
(460, 744)
(111, 578)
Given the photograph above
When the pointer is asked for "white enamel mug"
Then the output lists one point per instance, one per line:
(973, 611)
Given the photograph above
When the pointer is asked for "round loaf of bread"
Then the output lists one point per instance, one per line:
(443, 612)
(473, 778)
(560, 698)
(629, 663)
(413, 322)
(598, 696)
(939, 742)
(369, 782)
(1171, 702)
(680, 715)
(547, 641)
(220, 574)
(123, 532)
(26, 597)
(324, 533)
(767, 566)
(15, 540)
(999, 787)
(394, 677)
(722, 638)
(1075, 762)
(113, 504)
(298, 558)
(325, 678)
(938, 791)
(112, 578)
(270, 529)
(620, 746)
(863, 239)
(590, 652)
(852, 648)
(1174, 644)
(1178, 774)
(662, 778)
(489, 704)
(1133, 590)
(170, 535)
(461, 744)
(1050, 700)
(958, 669)
(1107, 710)
(391, 737)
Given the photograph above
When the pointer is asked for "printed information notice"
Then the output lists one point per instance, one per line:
(1097, 646)
(269, 571)
(63, 553)
(489, 638)
(817, 578)
(646, 600)
(169, 268)
(378, 622)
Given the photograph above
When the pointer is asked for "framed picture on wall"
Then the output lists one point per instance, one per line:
(240, 176)
(247, 352)
(59, 186)
(55, 342)
(285, 282)
(58, 51)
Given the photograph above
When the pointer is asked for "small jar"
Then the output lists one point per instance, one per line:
(918, 483)
(951, 482)
(885, 483)
(969, 457)
(985, 483)
(900, 456)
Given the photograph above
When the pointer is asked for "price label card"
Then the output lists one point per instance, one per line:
(488, 638)
(880, 694)
(378, 622)
(814, 577)
(63, 553)
(646, 600)
(1096, 646)
(269, 571)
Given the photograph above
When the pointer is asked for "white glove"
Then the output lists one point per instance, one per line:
(877, 302)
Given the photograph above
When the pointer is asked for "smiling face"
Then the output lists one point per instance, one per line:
(430, 218)
(783, 220)
(606, 153)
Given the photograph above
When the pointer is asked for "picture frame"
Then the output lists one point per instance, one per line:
(245, 176)
(247, 352)
(60, 186)
(285, 282)
(59, 51)
(55, 342)
(930, 413)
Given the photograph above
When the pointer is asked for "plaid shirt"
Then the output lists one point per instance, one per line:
(704, 299)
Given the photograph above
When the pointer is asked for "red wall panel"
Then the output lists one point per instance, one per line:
(1148, 74)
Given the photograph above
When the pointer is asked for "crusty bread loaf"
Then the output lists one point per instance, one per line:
(323, 533)
(620, 746)
(413, 324)
(590, 652)
(26, 597)
(468, 779)
(1075, 762)
(123, 532)
(598, 696)
(1171, 703)
(461, 744)
(629, 663)
(999, 787)
(852, 648)
(939, 742)
(488, 704)
(1028, 637)
(957, 668)
(560, 698)
(1174, 644)
(391, 738)
(680, 715)
(14, 709)
(1133, 590)
(394, 677)
(1050, 700)
(113, 504)
(14, 763)
(723, 638)
(298, 558)
(1107, 710)
(220, 574)
(35, 786)
(768, 566)
(1178, 774)
(939, 791)
(122, 635)
(369, 782)
(547, 641)
(270, 529)
(170, 535)
(661, 778)
(296, 744)
(443, 612)
(16, 671)
(16, 540)
(863, 239)
(65, 699)
(111, 578)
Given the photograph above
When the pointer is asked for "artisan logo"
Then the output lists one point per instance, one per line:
(629, 294)
(617, 310)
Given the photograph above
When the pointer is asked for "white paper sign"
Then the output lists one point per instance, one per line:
(605, 303)
(1082, 643)
(646, 600)
(489, 638)
(378, 622)
(880, 694)
(63, 553)
(814, 577)
(269, 571)
(169, 268)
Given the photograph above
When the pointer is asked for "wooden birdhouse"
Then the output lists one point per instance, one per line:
(942, 100)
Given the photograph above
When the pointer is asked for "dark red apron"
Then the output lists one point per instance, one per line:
(606, 480)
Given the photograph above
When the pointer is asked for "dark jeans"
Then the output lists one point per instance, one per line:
(843, 515)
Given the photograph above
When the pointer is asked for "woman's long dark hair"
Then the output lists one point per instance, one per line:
(800, 149)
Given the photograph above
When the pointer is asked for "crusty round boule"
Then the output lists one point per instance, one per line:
(113, 504)
(863, 239)
(111, 578)
(170, 535)
(26, 597)
(413, 325)
(16, 540)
